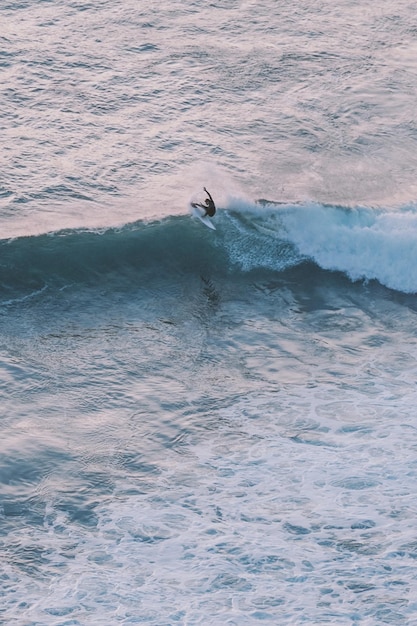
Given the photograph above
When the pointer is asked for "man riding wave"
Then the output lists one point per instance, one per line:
(208, 206)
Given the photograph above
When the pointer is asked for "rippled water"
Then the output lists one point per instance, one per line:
(208, 427)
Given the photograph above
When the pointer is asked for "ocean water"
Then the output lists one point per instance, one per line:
(208, 427)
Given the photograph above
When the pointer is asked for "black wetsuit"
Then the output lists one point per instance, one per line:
(210, 206)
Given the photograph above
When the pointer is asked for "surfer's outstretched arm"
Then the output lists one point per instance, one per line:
(201, 206)
(209, 194)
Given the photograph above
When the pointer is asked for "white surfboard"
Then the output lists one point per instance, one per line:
(198, 212)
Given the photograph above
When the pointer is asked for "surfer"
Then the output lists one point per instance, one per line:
(208, 206)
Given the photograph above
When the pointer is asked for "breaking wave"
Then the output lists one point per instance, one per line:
(363, 243)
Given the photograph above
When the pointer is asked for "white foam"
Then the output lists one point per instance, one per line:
(297, 503)
(363, 243)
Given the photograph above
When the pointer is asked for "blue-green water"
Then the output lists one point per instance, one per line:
(208, 427)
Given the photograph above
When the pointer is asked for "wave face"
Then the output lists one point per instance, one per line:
(365, 244)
